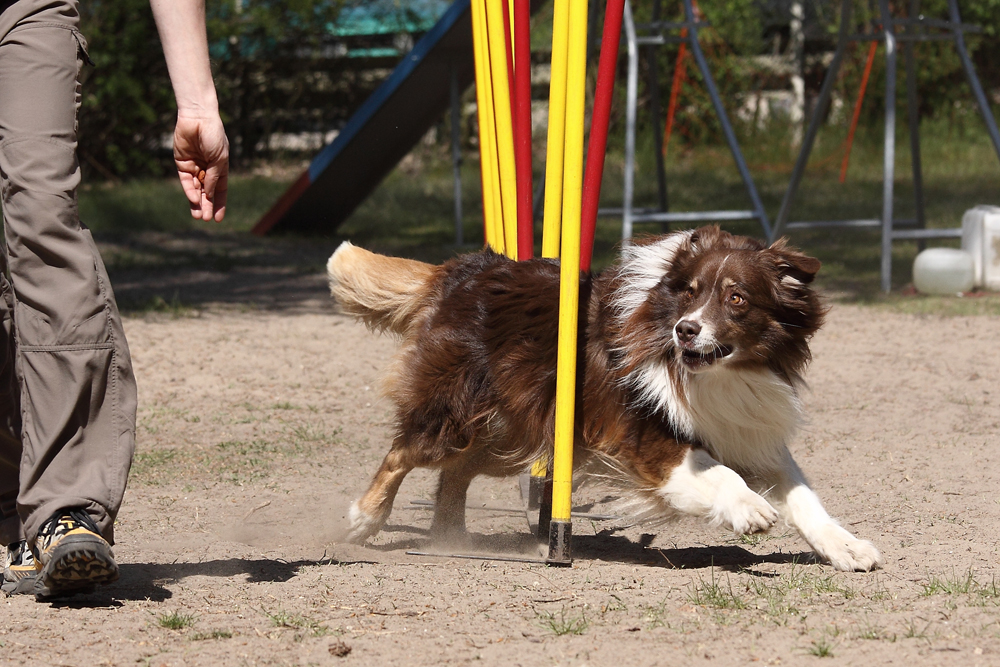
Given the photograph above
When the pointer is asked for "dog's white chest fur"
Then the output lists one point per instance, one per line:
(744, 417)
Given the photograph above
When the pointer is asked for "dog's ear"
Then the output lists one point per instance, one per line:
(792, 263)
(706, 237)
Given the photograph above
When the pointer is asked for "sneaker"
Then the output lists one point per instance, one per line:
(71, 556)
(19, 569)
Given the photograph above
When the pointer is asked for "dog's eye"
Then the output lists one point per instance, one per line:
(736, 299)
(689, 292)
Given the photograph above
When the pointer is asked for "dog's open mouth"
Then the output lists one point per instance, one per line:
(694, 359)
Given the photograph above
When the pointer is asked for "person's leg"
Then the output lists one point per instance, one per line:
(19, 563)
(11, 530)
(78, 395)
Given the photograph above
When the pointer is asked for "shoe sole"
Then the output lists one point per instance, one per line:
(78, 564)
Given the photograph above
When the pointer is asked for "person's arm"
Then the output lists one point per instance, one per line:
(201, 149)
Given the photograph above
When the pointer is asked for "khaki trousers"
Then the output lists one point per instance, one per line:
(67, 392)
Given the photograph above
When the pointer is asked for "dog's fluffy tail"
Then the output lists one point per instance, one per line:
(388, 293)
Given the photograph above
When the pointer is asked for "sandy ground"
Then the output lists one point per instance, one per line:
(258, 426)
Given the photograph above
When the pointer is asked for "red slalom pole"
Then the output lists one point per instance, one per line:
(597, 146)
(522, 128)
(857, 111)
(675, 91)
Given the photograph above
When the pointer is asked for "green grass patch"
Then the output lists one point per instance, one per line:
(303, 625)
(176, 620)
(714, 594)
(564, 623)
(232, 461)
(964, 584)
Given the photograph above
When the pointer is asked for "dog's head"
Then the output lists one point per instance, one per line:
(724, 301)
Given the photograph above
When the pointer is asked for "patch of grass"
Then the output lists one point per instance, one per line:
(614, 604)
(232, 461)
(821, 648)
(942, 306)
(913, 630)
(962, 585)
(309, 433)
(158, 205)
(176, 620)
(303, 625)
(656, 616)
(713, 594)
(156, 304)
(214, 634)
(563, 623)
(149, 465)
(873, 631)
(754, 539)
(950, 585)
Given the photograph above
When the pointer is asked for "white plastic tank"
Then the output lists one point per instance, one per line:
(943, 271)
(981, 238)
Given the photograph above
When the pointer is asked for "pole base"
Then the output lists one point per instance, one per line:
(560, 537)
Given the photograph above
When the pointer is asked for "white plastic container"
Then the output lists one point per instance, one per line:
(981, 239)
(943, 271)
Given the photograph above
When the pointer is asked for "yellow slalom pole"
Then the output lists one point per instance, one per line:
(488, 154)
(569, 287)
(504, 122)
(486, 128)
(557, 129)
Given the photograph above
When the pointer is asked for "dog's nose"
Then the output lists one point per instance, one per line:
(687, 330)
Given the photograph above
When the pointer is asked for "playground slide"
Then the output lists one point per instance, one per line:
(381, 132)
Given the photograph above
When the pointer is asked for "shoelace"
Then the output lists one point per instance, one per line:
(77, 515)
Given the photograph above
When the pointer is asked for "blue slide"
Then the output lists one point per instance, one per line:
(381, 132)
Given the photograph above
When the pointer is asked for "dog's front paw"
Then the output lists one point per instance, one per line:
(361, 525)
(744, 512)
(844, 551)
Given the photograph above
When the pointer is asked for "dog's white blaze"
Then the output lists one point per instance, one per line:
(705, 341)
(701, 486)
(643, 266)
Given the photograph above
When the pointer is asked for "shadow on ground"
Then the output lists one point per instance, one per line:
(179, 271)
(148, 581)
(605, 546)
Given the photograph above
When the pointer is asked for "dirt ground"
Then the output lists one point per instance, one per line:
(259, 424)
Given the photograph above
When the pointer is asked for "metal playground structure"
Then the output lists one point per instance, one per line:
(916, 28)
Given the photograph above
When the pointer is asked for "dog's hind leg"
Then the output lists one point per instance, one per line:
(369, 513)
(449, 506)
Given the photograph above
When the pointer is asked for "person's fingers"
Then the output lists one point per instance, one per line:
(191, 187)
(201, 152)
(207, 209)
(216, 189)
(221, 195)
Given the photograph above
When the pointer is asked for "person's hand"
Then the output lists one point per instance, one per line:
(201, 152)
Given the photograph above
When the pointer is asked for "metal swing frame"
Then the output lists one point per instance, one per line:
(651, 35)
(915, 31)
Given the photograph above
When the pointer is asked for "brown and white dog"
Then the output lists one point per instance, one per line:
(692, 359)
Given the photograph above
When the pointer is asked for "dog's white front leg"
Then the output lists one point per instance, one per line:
(701, 486)
(802, 509)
